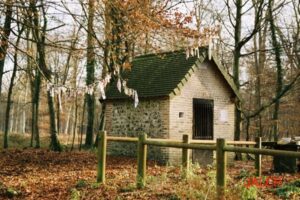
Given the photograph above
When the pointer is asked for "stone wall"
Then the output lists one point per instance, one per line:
(205, 83)
(150, 116)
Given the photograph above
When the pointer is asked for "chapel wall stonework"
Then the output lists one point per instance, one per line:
(150, 116)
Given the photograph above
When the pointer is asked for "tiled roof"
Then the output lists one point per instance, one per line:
(157, 75)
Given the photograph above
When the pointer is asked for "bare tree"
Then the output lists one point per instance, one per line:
(10, 89)
(90, 73)
(4, 37)
(236, 20)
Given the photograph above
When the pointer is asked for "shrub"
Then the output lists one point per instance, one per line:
(249, 193)
(243, 174)
(288, 190)
(11, 192)
(81, 183)
(75, 194)
(95, 185)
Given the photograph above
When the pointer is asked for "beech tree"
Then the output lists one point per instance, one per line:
(11, 85)
(236, 20)
(90, 73)
(4, 37)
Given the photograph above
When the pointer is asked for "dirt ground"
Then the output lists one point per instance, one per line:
(41, 174)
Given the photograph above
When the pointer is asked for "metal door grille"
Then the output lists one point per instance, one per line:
(203, 119)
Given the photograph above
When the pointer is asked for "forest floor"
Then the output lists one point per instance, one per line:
(42, 174)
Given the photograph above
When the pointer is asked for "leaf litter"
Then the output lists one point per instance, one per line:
(42, 174)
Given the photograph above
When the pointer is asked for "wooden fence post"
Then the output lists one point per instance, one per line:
(185, 156)
(221, 168)
(142, 161)
(101, 157)
(258, 157)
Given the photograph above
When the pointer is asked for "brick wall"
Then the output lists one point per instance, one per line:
(205, 83)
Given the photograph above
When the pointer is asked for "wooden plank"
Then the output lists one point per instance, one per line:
(122, 139)
(241, 143)
(134, 139)
(221, 169)
(263, 151)
(203, 142)
(102, 143)
(179, 145)
(185, 156)
(228, 142)
(142, 161)
(258, 157)
(164, 140)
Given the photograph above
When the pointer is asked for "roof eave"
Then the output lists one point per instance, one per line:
(226, 77)
(184, 80)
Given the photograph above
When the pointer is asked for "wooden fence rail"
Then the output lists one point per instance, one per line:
(221, 146)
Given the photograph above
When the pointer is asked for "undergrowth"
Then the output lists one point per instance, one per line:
(289, 190)
(20, 141)
(199, 183)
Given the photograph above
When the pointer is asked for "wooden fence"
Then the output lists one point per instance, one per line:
(221, 146)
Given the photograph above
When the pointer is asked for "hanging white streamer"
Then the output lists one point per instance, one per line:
(187, 53)
(90, 89)
(119, 85)
(136, 99)
(101, 89)
(210, 47)
(197, 52)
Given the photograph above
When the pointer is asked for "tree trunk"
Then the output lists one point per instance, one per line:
(75, 121)
(10, 90)
(68, 120)
(4, 38)
(58, 112)
(11, 117)
(31, 81)
(23, 128)
(102, 122)
(18, 116)
(90, 73)
(236, 71)
(279, 82)
(54, 143)
(35, 109)
(259, 58)
(39, 33)
(82, 122)
(257, 87)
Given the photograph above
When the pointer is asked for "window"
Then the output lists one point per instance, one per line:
(181, 114)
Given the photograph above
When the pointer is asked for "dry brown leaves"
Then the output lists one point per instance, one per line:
(42, 174)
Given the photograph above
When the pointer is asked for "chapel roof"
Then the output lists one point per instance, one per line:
(158, 75)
